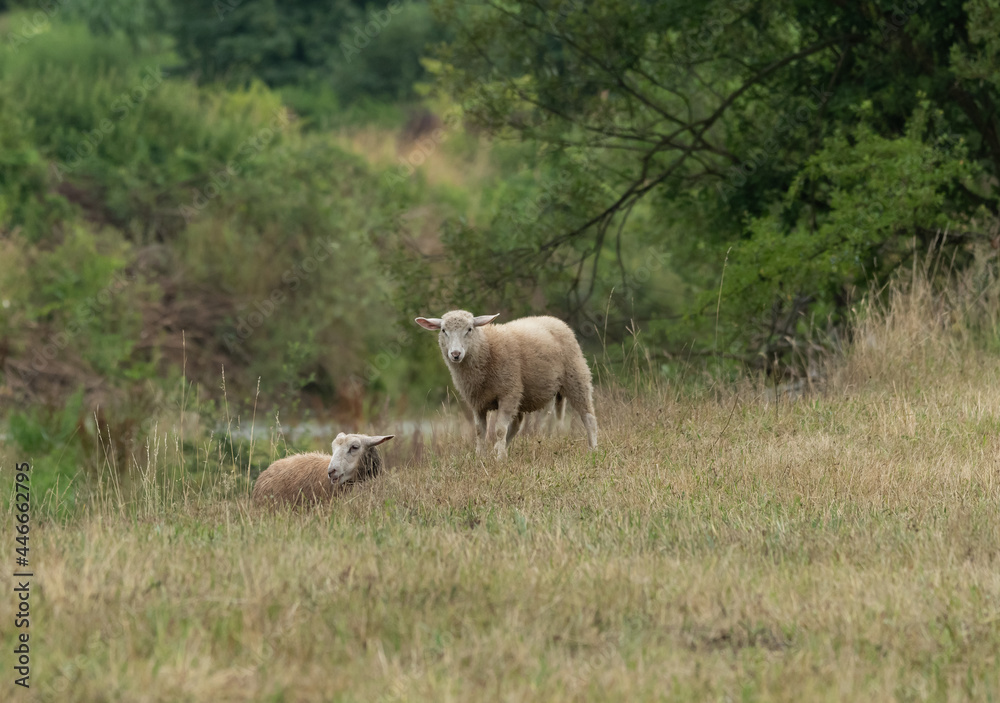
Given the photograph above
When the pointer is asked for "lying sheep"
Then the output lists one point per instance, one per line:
(515, 368)
(302, 478)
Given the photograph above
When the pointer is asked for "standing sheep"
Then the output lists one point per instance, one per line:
(302, 478)
(514, 368)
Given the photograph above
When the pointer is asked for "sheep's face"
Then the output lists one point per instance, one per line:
(348, 452)
(460, 334)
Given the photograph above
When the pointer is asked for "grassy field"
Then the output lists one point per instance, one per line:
(842, 545)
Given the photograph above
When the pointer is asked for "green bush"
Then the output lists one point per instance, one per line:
(48, 437)
(143, 207)
(871, 199)
(351, 50)
(386, 66)
(278, 42)
(140, 20)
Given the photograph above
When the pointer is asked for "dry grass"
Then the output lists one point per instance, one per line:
(843, 546)
(431, 155)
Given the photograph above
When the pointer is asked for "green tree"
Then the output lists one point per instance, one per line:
(277, 42)
(359, 50)
(728, 125)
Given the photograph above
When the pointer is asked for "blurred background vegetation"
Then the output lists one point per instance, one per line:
(210, 210)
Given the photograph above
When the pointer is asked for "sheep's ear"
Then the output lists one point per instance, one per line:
(429, 323)
(481, 320)
(340, 436)
(374, 441)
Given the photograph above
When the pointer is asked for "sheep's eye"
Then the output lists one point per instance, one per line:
(468, 330)
(355, 447)
(444, 332)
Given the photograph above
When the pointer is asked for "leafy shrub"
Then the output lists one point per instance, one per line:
(874, 202)
(343, 49)
(140, 20)
(47, 437)
(278, 42)
(386, 66)
(160, 227)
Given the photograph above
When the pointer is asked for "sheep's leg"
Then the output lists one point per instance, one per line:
(590, 422)
(480, 419)
(583, 403)
(505, 416)
(515, 425)
(548, 422)
(556, 412)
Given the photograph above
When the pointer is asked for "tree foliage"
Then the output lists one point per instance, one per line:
(819, 142)
(357, 49)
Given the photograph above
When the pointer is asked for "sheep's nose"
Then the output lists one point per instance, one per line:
(456, 355)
